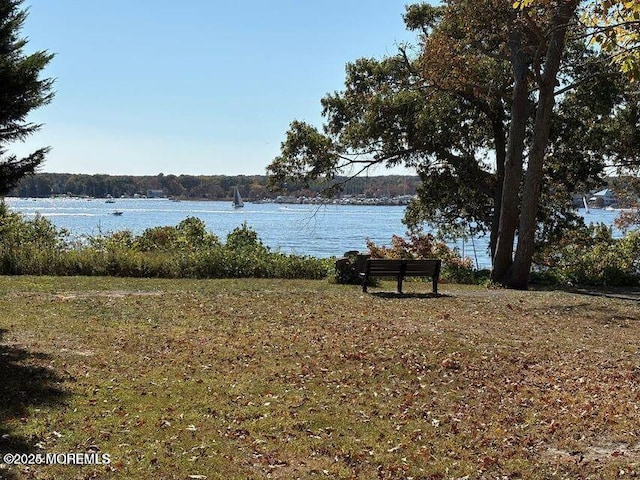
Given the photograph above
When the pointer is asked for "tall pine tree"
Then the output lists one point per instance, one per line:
(21, 91)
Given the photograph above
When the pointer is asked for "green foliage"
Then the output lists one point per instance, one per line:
(158, 238)
(306, 155)
(347, 270)
(22, 92)
(614, 28)
(184, 251)
(16, 232)
(193, 232)
(421, 16)
(189, 234)
(23, 243)
(469, 90)
(591, 256)
(244, 237)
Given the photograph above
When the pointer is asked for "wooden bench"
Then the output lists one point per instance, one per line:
(401, 269)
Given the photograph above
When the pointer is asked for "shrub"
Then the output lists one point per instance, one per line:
(421, 245)
(158, 238)
(28, 246)
(186, 250)
(193, 234)
(590, 256)
(113, 241)
(190, 234)
(347, 269)
(244, 237)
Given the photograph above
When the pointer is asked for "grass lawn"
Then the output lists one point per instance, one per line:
(225, 379)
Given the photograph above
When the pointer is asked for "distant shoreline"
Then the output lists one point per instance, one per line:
(212, 187)
(347, 200)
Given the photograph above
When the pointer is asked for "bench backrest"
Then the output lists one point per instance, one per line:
(428, 268)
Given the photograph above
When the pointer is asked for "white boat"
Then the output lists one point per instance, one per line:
(237, 199)
(586, 205)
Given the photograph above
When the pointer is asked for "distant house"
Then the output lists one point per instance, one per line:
(156, 194)
(603, 198)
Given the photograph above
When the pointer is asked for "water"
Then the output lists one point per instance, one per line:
(320, 231)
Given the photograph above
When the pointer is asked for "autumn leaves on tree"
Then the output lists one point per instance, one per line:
(477, 107)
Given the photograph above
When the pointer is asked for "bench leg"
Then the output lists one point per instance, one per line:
(365, 281)
(435, 285)
(400, 283)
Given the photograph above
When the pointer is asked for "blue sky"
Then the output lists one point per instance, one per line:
(193, 87)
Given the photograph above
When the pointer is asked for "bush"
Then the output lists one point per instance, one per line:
(590, 256)
(28, 247)
(244, 237)
(187, 250)
(345, 271)
(421, 245)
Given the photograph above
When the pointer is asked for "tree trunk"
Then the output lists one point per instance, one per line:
(503, 257)
(500, 145)
(518, 276)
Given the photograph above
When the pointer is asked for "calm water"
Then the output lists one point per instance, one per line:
(302, 229)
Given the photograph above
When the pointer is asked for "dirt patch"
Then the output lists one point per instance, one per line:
(103, 294)
(88, 294)
(596, 453)
(80, 353)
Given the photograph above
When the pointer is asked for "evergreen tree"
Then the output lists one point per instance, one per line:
(21, 91)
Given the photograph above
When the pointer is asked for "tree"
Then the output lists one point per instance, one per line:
(618, 33)
(22, 91)
(403, 110)
(614, 25)
(476, 86)
(542, 63)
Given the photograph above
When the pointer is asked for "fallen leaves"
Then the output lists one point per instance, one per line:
(283, 379)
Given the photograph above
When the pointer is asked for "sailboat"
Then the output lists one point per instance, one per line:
(237, 199)
(586, 205)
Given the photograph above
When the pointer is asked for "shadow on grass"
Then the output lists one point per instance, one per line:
(24, 383)
(601, 313)
(631, 294)
(390, 295)
(618, 293)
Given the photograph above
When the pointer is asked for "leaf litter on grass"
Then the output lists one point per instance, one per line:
(288, 379)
